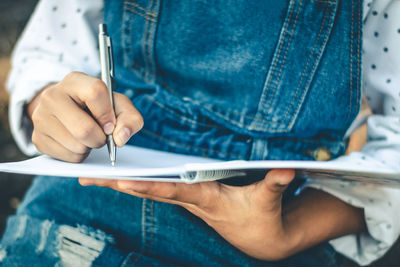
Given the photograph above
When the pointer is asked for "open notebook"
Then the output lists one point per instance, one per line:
(135, 163)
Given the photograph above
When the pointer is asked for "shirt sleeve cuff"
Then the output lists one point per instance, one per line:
(22, 92)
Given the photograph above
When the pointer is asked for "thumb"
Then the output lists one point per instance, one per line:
(129, 120)
(275, 183)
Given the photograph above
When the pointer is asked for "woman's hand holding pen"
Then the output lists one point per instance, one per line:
(74, 115)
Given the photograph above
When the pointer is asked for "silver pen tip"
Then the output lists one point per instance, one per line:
(113, 163)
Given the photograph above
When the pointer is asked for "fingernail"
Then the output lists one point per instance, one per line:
(124, 135)
(84, 181)
(108, 128)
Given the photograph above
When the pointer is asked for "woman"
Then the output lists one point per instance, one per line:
(229, 80)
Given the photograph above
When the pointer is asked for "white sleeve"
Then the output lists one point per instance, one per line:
(381, 69)
(60, 37)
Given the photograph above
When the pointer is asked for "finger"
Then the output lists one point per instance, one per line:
(129, 120)
(79, 123)
(49, 146)
(358, 139)
(116, 185)
(274, 184)
(200, 194)
(277, 180)
(97, 181)
(92, 93)
(56, 130)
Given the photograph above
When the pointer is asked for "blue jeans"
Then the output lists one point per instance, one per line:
(79, 226)
(232, 79)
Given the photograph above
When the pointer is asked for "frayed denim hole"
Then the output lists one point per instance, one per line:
(3, 253)
(21, 227)
(81, 245)
(44, 233)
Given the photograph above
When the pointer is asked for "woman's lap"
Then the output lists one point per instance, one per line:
(61, 222)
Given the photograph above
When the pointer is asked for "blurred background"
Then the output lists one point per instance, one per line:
(13, 17)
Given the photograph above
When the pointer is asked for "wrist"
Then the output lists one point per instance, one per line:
(294, 234)
(278, 242)
(286, 243)
(314, 217)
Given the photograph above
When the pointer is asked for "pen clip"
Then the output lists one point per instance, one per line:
(110, 57)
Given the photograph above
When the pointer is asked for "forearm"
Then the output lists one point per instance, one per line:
(315, 216)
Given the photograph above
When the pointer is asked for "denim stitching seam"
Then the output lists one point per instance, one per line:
(357, 79)
(323, 26)
(148, 225)
(144, 44)
(127, 41)
(152, 225)
(150, 44)
(290, 18)
(304, 70)
(325, 2)
(306, 67)
(137, 259)
(351, 61)
(287, 46)
(124, 38)
(129, 261)
(359, 17)
(133, 10)
(148, 13)
(144, 219)
(275, 60)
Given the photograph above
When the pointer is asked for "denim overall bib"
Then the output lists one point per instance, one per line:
(229, 79)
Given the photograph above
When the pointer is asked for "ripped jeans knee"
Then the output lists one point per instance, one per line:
(37, 242)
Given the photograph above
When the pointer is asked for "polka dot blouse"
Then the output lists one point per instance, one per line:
(61, 37)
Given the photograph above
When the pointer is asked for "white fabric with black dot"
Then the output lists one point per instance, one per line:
(61, 37)
(381, 86)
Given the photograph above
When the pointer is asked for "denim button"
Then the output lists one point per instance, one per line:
(322, 154)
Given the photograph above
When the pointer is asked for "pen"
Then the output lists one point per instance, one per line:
(107, 75)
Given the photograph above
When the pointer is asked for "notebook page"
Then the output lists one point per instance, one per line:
(131, 161)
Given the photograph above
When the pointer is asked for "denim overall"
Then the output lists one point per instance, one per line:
(229, 79)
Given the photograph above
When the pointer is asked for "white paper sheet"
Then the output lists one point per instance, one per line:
(138, 163)
(131, 161)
